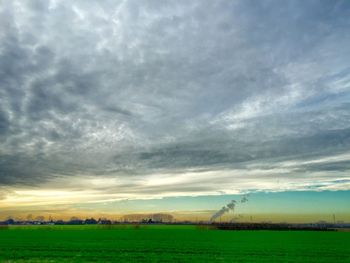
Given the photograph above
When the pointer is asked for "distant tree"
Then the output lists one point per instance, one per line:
(75, 221)
(40, 218)
(59, 222)
(104, 221)
(90, 221)
(10, 221)
(29, 217)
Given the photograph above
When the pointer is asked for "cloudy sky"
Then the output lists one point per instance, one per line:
(102, 101)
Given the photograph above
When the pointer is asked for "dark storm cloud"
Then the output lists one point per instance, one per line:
(137, 88)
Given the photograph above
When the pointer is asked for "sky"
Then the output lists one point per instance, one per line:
(144, 106)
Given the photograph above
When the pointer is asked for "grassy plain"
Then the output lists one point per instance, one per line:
(162, 243)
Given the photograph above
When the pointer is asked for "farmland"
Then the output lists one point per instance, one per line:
(164, 243)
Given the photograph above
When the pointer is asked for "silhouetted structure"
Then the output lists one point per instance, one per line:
(90, 221)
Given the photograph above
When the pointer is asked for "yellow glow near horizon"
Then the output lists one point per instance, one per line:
(43, 197)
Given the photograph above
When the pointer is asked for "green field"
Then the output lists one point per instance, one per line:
(161, 243)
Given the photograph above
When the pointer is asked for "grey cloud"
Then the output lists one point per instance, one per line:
(138, 87)
(4, 123)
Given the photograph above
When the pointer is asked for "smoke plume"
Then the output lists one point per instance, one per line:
(244, 199)
(229, 207)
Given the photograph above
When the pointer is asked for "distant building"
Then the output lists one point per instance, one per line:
(148, 218)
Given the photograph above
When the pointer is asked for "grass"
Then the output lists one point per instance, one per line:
(162, 243)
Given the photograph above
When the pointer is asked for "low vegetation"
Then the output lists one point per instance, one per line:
(164, 243)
